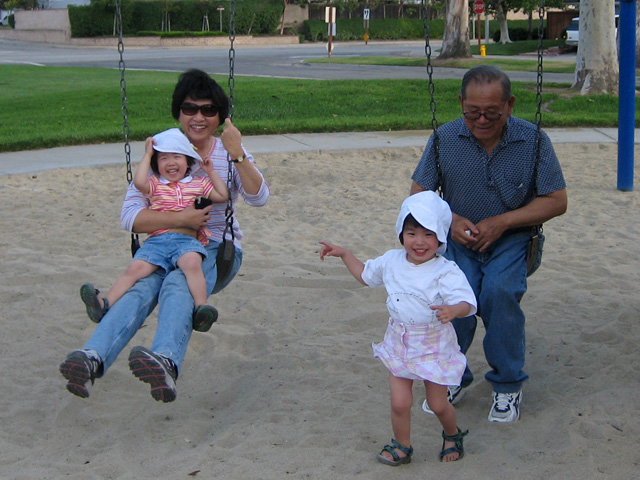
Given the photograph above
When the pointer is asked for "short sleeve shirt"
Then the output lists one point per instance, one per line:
(478, 185)
(412, 289)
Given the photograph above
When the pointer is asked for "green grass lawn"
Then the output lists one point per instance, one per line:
(55, 106)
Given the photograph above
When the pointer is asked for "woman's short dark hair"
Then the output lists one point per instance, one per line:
(198, 85)
(154, 162)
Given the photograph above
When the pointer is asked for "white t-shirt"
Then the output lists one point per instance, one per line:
(412, 289)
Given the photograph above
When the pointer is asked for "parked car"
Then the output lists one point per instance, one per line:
(4, 17)
(573, 31)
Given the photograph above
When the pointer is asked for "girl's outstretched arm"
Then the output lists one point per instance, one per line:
(355, 266)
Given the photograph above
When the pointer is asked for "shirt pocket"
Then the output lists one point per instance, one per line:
(513, 189)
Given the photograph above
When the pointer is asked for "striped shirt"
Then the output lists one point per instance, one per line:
(135, 201)
(168, 196)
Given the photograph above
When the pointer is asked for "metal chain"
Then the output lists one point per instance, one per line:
(232, 82)
(538, 119)
(431, 88)
(539, 77)
(123, 92)
(232, 56)
(135, 239)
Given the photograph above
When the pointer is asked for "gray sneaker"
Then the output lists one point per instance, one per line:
(79, 368)
(454, 394)
(506, 407)
(158, 371)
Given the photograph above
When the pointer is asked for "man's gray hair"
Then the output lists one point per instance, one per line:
(483, 74)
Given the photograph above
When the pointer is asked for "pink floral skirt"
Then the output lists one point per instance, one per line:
(422, 352)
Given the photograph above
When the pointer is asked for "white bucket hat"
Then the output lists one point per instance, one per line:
(430, 211)
(174, 141)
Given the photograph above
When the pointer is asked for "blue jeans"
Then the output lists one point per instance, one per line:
(499, 280)
(175, 313)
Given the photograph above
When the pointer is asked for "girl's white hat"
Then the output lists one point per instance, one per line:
(174, 141)
(430, 211)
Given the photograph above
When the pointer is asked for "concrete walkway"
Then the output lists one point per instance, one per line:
(113, 153)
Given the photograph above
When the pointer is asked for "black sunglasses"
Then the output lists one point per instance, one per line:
(208, 110)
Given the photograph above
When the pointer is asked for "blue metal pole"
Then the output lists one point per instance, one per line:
(627, 94)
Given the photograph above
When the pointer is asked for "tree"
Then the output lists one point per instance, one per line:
(597, 59)
(455, 41)
(501, 7)
(501, 15)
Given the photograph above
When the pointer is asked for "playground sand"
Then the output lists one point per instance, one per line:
(284, 385)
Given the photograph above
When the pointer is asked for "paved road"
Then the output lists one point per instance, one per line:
(273, 61)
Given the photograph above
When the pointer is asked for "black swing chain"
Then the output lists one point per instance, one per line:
(135, 241)
(538, 118)
(232, 55)
(431, 89)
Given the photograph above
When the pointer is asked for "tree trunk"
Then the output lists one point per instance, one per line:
(597, 59)
(455, 41)
(501, 16)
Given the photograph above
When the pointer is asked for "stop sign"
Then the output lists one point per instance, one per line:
(478, 6)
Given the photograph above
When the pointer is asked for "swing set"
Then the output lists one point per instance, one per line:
(226, 251)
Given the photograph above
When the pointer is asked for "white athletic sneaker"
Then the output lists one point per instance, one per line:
(454, 394)
(506, 407)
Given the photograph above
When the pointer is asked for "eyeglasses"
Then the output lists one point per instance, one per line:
(475, 115)
(208, 110)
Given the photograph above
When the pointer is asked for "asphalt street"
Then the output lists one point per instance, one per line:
(285, 61)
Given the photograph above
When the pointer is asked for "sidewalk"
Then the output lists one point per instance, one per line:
(113, 153)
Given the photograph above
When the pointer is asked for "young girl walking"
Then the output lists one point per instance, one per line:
(425, 292)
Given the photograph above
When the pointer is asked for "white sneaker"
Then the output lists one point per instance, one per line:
(454, 395)
(506, 407)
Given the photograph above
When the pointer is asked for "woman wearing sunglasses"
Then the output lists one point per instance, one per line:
(200, 106)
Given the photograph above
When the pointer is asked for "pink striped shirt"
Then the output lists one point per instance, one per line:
(135, 201)
(168, 196)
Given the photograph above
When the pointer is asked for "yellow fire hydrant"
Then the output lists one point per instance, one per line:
(483, 50)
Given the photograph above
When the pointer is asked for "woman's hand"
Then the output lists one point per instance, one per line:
(232, 139)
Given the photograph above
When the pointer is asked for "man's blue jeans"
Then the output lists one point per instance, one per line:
(499, 280)
(175, 313)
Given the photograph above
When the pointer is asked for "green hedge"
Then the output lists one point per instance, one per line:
(256, 17)
(379, 29)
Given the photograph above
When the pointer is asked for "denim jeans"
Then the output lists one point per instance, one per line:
(499, 280)
(170, 290)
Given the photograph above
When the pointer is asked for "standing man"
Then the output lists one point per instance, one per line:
(487, 170)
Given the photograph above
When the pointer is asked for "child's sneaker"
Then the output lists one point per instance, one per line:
(506, 407)
(203, 317)
(454, 394)
(158, 371)
(78, 368)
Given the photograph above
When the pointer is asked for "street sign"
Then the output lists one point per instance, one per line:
(367, 12)
(478, 6)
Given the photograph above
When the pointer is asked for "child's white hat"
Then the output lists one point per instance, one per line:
(174, 141)
(430, 211)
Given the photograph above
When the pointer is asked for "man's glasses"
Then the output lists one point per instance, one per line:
(475, 115)
(208, 110)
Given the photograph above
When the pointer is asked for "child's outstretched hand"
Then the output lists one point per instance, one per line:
(329, 250)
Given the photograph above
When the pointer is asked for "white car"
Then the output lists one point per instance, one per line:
(4, 17)
(573, 31)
